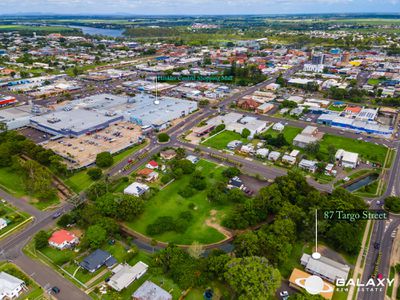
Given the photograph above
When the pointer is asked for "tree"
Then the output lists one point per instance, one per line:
(95, 236)
(41, 240)
(104, 160)
(252, 277)
(246, 244)
(245, 133)
(163, 137)
(95, 173)
(392, 204)
(231, 172)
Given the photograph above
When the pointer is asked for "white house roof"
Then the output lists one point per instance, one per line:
(9, 283)
(326, 267)
(124, 275)
(136, 188)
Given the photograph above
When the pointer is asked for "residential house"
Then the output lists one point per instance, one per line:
(248, 104)
(150, 291)
(308, 165)
(136, 189)
(193, 159)
(124, 275)
(234, 145)
(63, 239)
(3, 223)
(278, 127)
(10, 286)
(168, 154)
(262, 152)
(288, 159)
(148, 174)
(152, 165)
(264, 108)
(274, 155)
(97, 259)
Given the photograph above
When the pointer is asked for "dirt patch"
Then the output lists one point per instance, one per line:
(213, 222)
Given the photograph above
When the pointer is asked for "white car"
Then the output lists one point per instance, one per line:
(284, 294)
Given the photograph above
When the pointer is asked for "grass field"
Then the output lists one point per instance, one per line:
(373, 81)
(222, 139)
(289, 132)
(12, 183)
(42, 29)
(169, 203)
(336, 108)
(367, 151)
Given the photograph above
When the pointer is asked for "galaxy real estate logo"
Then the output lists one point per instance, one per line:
(372, 285)
(315, 285)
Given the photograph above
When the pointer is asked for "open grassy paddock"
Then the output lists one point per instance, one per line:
(168, 202)
(222, 139)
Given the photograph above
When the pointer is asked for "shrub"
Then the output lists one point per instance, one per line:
(95, 173)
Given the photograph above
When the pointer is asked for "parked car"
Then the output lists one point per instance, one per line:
(56, 215)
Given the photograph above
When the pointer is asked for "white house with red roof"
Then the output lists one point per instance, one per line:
(63, 239)
(152, 165)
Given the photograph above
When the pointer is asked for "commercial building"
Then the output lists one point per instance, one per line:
(124, 275)
(370, 127)
(347, 159)
(16, 117)
(73, 122)
(325, 267)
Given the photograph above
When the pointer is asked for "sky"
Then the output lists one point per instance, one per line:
(196, 7)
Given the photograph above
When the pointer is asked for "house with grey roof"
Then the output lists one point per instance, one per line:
(150, 291)
(10, 286)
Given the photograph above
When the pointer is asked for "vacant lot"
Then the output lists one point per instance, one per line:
(222, 139)
(289, 132)
(367, 151)
(169, 203)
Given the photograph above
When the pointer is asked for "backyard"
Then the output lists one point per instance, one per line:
(289, 132)
(168, 202)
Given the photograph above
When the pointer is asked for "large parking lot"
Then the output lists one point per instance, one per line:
(82, 151)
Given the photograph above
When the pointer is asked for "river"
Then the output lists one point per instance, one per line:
(100, 31)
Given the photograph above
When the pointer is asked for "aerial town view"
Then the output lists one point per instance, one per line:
(198, 149)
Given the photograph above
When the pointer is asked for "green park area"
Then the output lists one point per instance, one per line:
(32, 291)
(169, 203)
(336, 108)
(220, 140)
